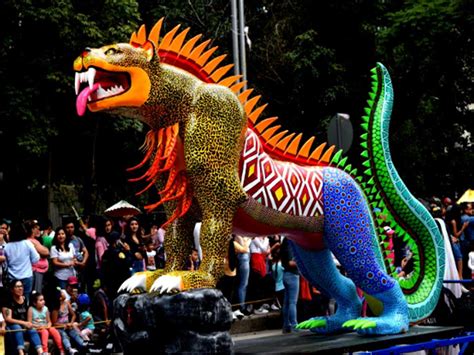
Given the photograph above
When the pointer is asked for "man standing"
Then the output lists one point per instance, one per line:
(81, 253)
(468, 217)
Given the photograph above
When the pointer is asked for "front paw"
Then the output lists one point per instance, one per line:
(167, 284)
(136, 282)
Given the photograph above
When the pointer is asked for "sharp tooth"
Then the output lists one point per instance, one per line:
(90, 76)
(82, 77)
(101, 92)
(77, 83)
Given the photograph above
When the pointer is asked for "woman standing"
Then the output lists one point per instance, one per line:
(32, 234)
(134, 240)
(242, 249)
(62, 257)
(15, 313)
(456, 228)
(291, 281)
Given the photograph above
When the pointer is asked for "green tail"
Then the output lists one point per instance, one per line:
(405, 214)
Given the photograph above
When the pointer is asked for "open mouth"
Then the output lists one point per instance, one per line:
(95, 85)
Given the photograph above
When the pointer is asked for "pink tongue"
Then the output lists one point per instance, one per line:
(81, 101)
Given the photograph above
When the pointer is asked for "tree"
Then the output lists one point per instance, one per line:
(39, 43)
(428, 48)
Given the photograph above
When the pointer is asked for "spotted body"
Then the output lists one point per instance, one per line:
(214, 161)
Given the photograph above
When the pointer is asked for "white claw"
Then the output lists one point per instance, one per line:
(166, 284)
(134, 282)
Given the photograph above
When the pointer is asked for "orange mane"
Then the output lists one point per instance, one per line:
(161, 145)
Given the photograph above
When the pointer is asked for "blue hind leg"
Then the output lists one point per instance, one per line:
(350, 235)
(319, 269)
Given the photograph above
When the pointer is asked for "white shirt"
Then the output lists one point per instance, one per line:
(62, 273)
(260, 245)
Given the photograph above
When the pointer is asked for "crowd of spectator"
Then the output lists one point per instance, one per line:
(458, 221)
(61, 283)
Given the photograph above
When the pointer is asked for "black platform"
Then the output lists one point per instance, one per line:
(275, 342)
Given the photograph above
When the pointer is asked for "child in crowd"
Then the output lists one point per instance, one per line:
(192, 262)
(86, 322)
(63, 317)
(150, 255)
(38, 315)
(277, 273)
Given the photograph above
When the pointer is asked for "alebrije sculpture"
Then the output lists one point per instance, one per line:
(214, 160)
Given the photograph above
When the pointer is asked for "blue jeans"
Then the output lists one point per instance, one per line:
(291, 282)
(61, 283)
(18, 339)
(457, 253)
(27, 287)
(243, 273)
(71, 333)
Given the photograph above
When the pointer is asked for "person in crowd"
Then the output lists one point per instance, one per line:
(467, 219)
(456, 227)
(291, 282)
(151, 255)
(134, 239)
(116, 263)
(81, 254)
(101, 245)
(259, 251)
(277, 273)
(72, 291)
(101, 308)
(192, 262)
(47, 233)
(242, 249)
(63, 317)
(86, 321)
(470, 261)
(3, 261)
(33, 234)
(450, 269)
(39, 317)
(15, 312)
(447, 204)
(21, 255)
(226, 282)
(109, 229)
(5, 226)
(62, 257)
(157, 234)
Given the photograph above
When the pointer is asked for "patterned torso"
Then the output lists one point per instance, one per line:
(282, 186)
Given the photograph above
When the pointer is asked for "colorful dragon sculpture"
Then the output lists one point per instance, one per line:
(214, 160)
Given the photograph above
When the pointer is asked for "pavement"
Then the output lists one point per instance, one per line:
(273, 341)
(253, 323)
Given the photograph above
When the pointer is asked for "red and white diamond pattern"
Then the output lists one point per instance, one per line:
(283, 186)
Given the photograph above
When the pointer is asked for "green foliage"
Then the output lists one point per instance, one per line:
(428, 47)
(307, 59)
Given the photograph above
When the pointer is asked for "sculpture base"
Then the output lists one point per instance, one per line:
(196, 321)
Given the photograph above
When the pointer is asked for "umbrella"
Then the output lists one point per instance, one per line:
(121, 209)
(467, 196)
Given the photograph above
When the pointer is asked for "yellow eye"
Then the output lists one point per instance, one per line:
(110, 51)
